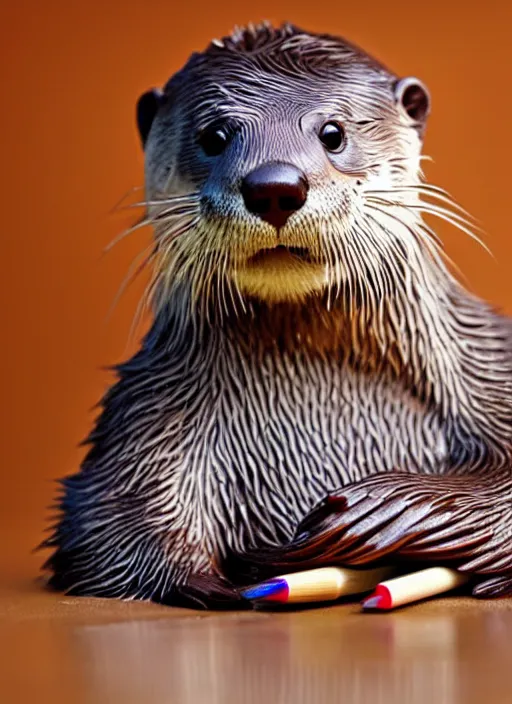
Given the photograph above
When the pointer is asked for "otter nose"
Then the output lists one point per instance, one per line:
(274, 192)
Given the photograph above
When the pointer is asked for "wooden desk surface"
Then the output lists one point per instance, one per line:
(59, 649)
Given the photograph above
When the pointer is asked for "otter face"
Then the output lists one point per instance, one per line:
(260, 155)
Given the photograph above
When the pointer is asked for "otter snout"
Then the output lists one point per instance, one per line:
(275, 191)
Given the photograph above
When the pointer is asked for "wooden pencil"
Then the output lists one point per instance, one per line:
(317, 585)
(413, 587)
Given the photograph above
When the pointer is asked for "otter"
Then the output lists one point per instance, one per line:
(316, 386)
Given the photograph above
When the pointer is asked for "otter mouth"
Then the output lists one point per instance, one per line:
(281, 253)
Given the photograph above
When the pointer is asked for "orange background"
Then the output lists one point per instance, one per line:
(71, 73)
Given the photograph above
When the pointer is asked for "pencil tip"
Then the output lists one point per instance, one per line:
(266, 590)
(372, 602)
(380, 599)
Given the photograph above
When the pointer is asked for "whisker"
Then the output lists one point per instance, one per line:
(433, 241)
(135, 269)
(425, 206)
(239, 295)
(132, 190)
(182, 205)
(460, 223)
(224, 282)
(170, 215)
(333, 264)
(176, 230)
(428, 190)
(142, 307)
(143, 222)
(192, 198)
(234, 263)
(177, 216)
(144, 304)
(171, 212)
(442, 213)
(429, 237)
(207, 274)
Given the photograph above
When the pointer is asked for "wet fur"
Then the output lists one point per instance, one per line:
(265, 426)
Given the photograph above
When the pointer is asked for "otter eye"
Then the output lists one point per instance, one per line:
(213, 141)
(332, 136)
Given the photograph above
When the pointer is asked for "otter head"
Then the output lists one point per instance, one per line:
(261, 156)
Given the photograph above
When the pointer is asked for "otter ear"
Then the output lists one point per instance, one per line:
(147, 107)
(413, 101)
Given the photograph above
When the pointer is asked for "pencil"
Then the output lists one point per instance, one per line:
(413, 587)
(322, 584)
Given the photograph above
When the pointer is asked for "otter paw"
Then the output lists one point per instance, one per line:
(397, 517)
(494, 588)
(207, 591)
